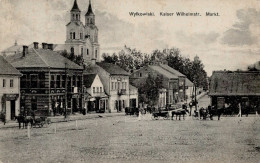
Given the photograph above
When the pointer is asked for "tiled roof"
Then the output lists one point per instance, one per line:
(227, 83)
(41, 58)
(112, 68)
(6, 68)
(89, 79)
(164, 72)
(172, 70)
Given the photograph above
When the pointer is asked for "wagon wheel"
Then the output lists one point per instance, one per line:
(166, 116)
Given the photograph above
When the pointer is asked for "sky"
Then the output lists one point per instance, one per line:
(229, 41)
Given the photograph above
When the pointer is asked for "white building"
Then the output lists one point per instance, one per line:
(81, 39)
(9, 89)
(95, 98)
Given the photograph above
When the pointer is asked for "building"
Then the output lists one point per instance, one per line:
(9, 89)
(116, 85)
(133, 96)
(48, 78)
(233, 87)
(172, 80)
(81, 39)
(95, 98)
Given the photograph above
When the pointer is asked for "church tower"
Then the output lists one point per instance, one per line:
(75, 12)
(82, 39)
(90, 16)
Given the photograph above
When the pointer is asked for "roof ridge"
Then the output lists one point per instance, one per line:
(41, 57)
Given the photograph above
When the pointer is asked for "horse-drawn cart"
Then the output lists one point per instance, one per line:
(41, 121)
(157, 115)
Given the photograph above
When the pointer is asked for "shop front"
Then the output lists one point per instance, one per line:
(10, 105)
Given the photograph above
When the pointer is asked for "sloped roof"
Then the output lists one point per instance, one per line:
(172, 70)
(89, 79)
(89, 12)
(164, 72)
(112, 68)
(6, 68)
(13, 48)
(75, 6)
(227, 83)
(188, 82)
(41, 58)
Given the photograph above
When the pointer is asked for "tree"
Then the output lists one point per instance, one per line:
(78, 59)
(149, 92)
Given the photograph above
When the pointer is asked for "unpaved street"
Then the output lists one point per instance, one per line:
(125, 139)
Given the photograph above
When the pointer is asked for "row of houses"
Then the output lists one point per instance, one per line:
(37, 78)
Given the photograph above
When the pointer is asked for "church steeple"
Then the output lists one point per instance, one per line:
(75, 12)
(90, 16)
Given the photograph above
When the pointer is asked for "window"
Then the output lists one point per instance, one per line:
(88, 20)
(94, 91)
(118, 85)
(78, 81)
(81, 36)
(52, 81)
(123, 101)
(63, 81)
(115, 85)
(58, 80)
(72, 50)
(74, 35)
(81, 50)
(101, 89)
(11, 83)
(71, 35)
(87, 52)
(140, 74)
(96, 54)
(34, 83)
(4, 82)
(112, 87)
(76, 16)
(74, 81)
(73, 16)
(24, 81)
(97, 89)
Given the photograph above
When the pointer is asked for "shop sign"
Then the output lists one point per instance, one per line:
(10, 97)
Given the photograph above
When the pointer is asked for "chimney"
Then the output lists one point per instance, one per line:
(44, 45)
(93, 61)
(35, 45)
(50, 46)
(25, 50)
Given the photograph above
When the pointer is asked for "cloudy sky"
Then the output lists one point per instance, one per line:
(229, 41)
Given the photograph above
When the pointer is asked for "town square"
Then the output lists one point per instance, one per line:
(134, 81)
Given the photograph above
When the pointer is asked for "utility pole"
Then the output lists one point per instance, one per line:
(66, 101)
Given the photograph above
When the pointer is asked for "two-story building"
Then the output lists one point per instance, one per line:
(173, 82)
(95, 98)
(116, 85)
(9, 89)
(50, 82)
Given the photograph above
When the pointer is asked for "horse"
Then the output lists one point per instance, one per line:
(25, 120)
(179, 112)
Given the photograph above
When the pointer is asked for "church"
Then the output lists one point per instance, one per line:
(82, 39)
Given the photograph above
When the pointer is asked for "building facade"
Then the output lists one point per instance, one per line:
(95, 98)
(50, 82)
(172, 80)
(234, 87)
(82, 39)
(9, 90)
(116, 85)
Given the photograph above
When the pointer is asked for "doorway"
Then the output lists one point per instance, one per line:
(12, 109)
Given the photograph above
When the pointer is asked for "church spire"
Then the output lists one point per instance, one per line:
(75, 6)
(75, 12)
(90, 12)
